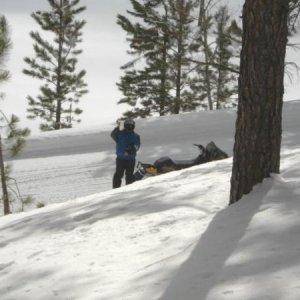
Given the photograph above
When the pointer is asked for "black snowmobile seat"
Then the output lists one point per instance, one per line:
(163, 162)
(183, 163)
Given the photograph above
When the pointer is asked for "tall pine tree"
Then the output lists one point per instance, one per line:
(55, 64)
(178, 64)
(226, 70)
(204, 82)
(12, 138)
(219, 39)
(146, 84)
(181, 26)
(4, 74)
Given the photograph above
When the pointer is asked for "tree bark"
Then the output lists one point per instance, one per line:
(59, 69)
(261, 88)
(207, 73)
(180, 54)
(3, 182)
(163, 93)
(203, 24)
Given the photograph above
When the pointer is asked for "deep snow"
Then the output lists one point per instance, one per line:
(171, 237)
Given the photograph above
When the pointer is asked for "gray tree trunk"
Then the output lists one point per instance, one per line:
(5, 197)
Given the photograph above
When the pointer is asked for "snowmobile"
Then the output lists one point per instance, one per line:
(166, 164)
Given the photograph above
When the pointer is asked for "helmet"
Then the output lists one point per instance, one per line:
(129, 124)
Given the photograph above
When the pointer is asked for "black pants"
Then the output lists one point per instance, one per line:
(122, 166)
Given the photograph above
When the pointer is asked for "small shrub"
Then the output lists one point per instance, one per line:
(40, 205)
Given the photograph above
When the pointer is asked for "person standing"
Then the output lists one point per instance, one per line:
(127, 145)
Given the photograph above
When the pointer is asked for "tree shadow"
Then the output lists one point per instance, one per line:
(199, 274)
(130, 200)
(34, 283)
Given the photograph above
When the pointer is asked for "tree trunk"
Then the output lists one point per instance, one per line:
(219, 85)
(163, 93)
(59, 69)
(261, 88)
(207, 73)
(179, 58)
(3, 182)
(203, 24)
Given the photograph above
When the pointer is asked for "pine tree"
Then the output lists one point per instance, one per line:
(226, 33)
(145, 84)
(219, 40)
(261, 87)
(176, 66)
(4, 47)
(294, 13)
(181, 27)
(4, 74)
(55, 64)
(12, 138)
(203, 85)
(12, 141)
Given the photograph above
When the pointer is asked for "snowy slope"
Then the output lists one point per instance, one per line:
(60, 166)
(171, 237)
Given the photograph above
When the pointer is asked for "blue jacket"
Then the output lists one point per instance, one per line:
(128, 143)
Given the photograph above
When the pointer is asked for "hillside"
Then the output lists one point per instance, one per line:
(60, 166)
(170, 237)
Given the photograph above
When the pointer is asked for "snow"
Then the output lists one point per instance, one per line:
(60, 166)
(169, 237)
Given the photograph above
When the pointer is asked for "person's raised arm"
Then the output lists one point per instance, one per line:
(114, 134)
(120, 126)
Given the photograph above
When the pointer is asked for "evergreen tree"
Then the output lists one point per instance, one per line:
(182, 31)
(176, 66)
(12, 138)
(226, 80)
(219, 40)
(294, 13)
(146, 84)
(4, 74)
(4, 47)
(12, 141)
(203, 83)
(55, 64)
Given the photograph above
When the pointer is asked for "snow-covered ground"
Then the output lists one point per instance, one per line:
(59, 166)
(171, 237)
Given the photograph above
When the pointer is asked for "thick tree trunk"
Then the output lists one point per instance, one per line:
(261, 88)
(5, 197)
